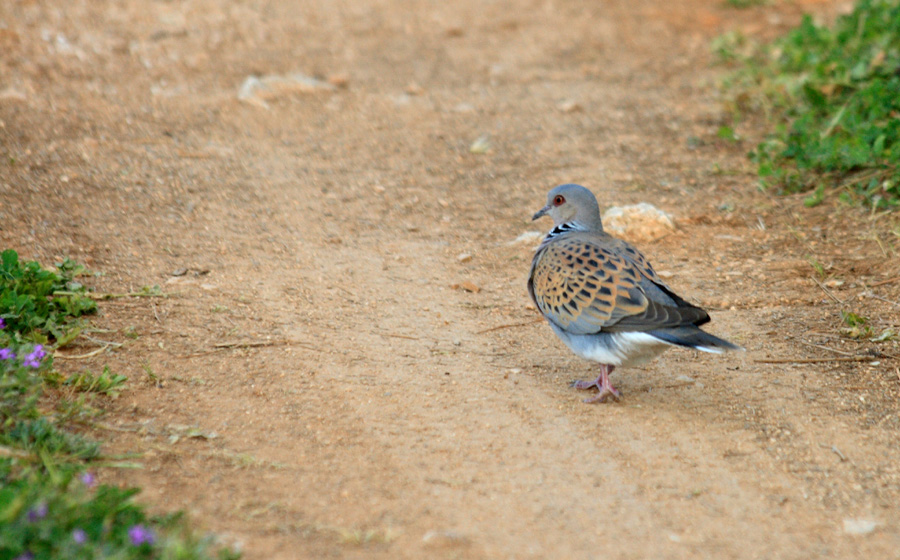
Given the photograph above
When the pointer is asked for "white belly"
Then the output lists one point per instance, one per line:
(615, 349)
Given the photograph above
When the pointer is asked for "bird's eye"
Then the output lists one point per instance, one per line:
(558, 200)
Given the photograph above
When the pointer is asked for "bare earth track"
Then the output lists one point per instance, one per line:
(324, 391)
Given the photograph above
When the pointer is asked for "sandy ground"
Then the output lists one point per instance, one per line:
(317, 384)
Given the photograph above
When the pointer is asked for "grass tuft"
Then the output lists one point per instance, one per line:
(50, 503)
(831, 96)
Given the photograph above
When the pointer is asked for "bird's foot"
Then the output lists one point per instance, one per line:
(602, 384)
(604, 394)
(584, 384)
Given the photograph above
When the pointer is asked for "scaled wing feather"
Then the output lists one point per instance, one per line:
(584, 288)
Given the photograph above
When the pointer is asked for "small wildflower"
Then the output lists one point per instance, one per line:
(2, 323)
(38, 512)
(7, 354)
(79, 536)
(141, 535)
(34, 359)
(87, 479)
(25, 556)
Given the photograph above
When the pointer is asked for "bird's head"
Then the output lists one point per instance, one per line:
(572, 204)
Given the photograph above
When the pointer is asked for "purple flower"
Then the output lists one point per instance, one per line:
(141, 535)
(2, 323)
(87, 479)
(34, 359)
(79, 536)
(7, 354)
(38, 512)
(25, 556)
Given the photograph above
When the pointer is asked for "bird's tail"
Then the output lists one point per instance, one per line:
(690, 336)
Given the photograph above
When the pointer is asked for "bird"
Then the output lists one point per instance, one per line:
(602, 297)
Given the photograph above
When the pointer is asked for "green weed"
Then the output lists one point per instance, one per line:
(28, 305)
(69, 517)
(151, 375)
(852, 319)
(728, 133)
(832, 96)
(50, 506)
(106, 383)
(856, 325)
(817, 266)
(743, 4)
(816, 198)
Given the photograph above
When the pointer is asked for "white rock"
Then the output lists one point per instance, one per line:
(859, 526)
(527, 237)
(257, 91)
(481, 145)
(13, 94)
(444, 538)
(639, 221)
(401, 100)
(569, 106)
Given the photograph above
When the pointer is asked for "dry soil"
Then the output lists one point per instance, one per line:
(346, 363)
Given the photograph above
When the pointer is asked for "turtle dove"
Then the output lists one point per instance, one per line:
(601, 296)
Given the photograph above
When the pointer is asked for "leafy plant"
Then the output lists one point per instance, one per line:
(817, 266)
(832, 96)
(21, 367)
(49, 507)
(743, 4)
(728, 133)
(106, 382)
(816, 198)
(29, 304)
(72, 518)
(851, 319)
(857, 325)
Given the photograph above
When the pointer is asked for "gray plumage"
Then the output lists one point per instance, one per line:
(602, 297)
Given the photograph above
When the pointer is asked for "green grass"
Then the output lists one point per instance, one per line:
(50, 505)
(744, 4)
(28, 305)
(72, 517)
(106, 383)
(831, 97)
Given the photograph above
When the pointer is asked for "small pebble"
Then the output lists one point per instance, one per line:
(527, 237)
(859, 526)
(444, 538)
(480, 146)
(569, 106)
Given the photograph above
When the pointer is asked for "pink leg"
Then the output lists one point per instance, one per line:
(602, 384)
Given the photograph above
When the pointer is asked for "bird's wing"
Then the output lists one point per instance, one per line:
(585, 286)
(651, 283)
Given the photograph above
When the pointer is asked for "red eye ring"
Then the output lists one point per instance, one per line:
(559, 200)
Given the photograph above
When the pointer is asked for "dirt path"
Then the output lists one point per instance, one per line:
(316, 387)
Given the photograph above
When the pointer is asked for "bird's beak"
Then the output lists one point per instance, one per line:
(542, 212)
